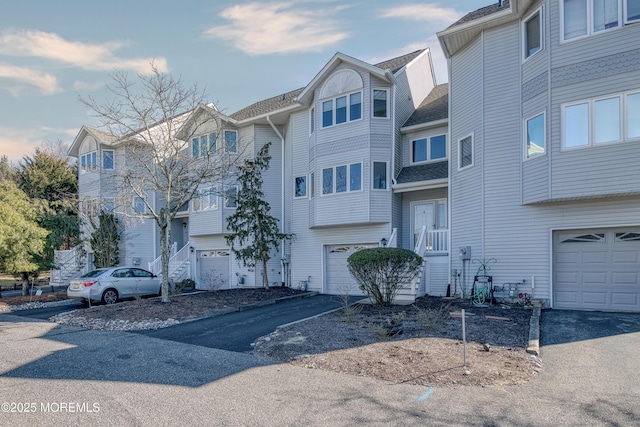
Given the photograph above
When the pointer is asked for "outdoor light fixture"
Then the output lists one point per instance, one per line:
(191, 249)
(383, 242)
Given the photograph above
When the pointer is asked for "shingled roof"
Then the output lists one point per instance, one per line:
(434, 107)
(287, 99)
(102, 135)
(396, 64)
(481, 13)
(425, 172)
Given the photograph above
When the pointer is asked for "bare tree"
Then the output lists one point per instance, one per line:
(154, 119)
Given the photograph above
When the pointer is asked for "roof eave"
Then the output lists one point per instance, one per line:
(285, 110)
(425, 125)
(455, 38)
(420, 185)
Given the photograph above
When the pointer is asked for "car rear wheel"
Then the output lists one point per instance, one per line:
(110, 296)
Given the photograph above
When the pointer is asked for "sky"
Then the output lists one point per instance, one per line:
(52, 54)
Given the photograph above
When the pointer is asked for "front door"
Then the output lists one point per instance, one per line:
(423, 215)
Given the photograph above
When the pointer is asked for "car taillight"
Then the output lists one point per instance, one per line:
(87, 284)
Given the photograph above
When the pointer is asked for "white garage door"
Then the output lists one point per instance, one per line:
(213, 269)
(597, 269)
(338, 279)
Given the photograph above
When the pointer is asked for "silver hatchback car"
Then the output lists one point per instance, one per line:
(108, 285)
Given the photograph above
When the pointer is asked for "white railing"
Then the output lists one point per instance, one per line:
(432, 242)
(420, 243)
(155, 266)
(437, 242)
(177, 259)
(68, 263)
(392, 241)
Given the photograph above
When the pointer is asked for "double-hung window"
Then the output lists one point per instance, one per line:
(230, 141)
(300, 184)
(380, 103)
(587, 17)
(432, 148)
(465, 152)
(611, 118)
(380, 175)
(342, 109)
(138, 205)
(532, 31)
(231, 196)
(107, 160)
(534, 133)
(342, 179)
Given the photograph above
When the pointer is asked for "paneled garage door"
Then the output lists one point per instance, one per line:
(597, 269)
(213, 269)
(338, 279)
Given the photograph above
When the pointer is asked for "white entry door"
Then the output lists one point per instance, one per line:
(423, 215)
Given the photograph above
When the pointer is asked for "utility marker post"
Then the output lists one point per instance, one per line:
(464, 340)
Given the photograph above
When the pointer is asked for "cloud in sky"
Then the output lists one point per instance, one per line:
(423, 12)
(17, 143)
(92, 57)
(45, 82)
(261, 29)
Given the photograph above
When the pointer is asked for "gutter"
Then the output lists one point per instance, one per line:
(394, 82)
(426, 125)
(420, 185)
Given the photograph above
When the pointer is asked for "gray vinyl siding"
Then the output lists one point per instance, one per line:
(539, 62)
(599, 170)
(466, 100)
(611, 42)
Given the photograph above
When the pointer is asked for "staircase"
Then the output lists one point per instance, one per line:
(179, 264)
(69, 264)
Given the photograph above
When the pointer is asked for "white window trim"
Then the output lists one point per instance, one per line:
(625, 14)
(473, 157)
(133, 206)
(114, 160)
(429, 159)
(213, 191)
(89, 155)
(306, 187)
(622, 21)
(388, 180)
(226, 199)
(526, 156)
(333, 109)
(224, 134)
(388, 116)
(540, 10)
(591, 118)
(334, 181)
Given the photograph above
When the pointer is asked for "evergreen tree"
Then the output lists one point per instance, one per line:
(105, 241)
(254, 232)
(22, 240)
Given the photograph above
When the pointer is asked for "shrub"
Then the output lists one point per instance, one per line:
(381, 272)
(431, 319)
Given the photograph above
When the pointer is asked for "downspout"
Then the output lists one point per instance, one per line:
(394, 85)
(284, 277)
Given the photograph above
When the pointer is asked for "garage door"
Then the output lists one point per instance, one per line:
(338, 279)
(213, 269)
(597, 269)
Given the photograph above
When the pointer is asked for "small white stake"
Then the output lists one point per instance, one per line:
(464, 341)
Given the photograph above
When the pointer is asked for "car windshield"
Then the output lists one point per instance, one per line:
(94, 273)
